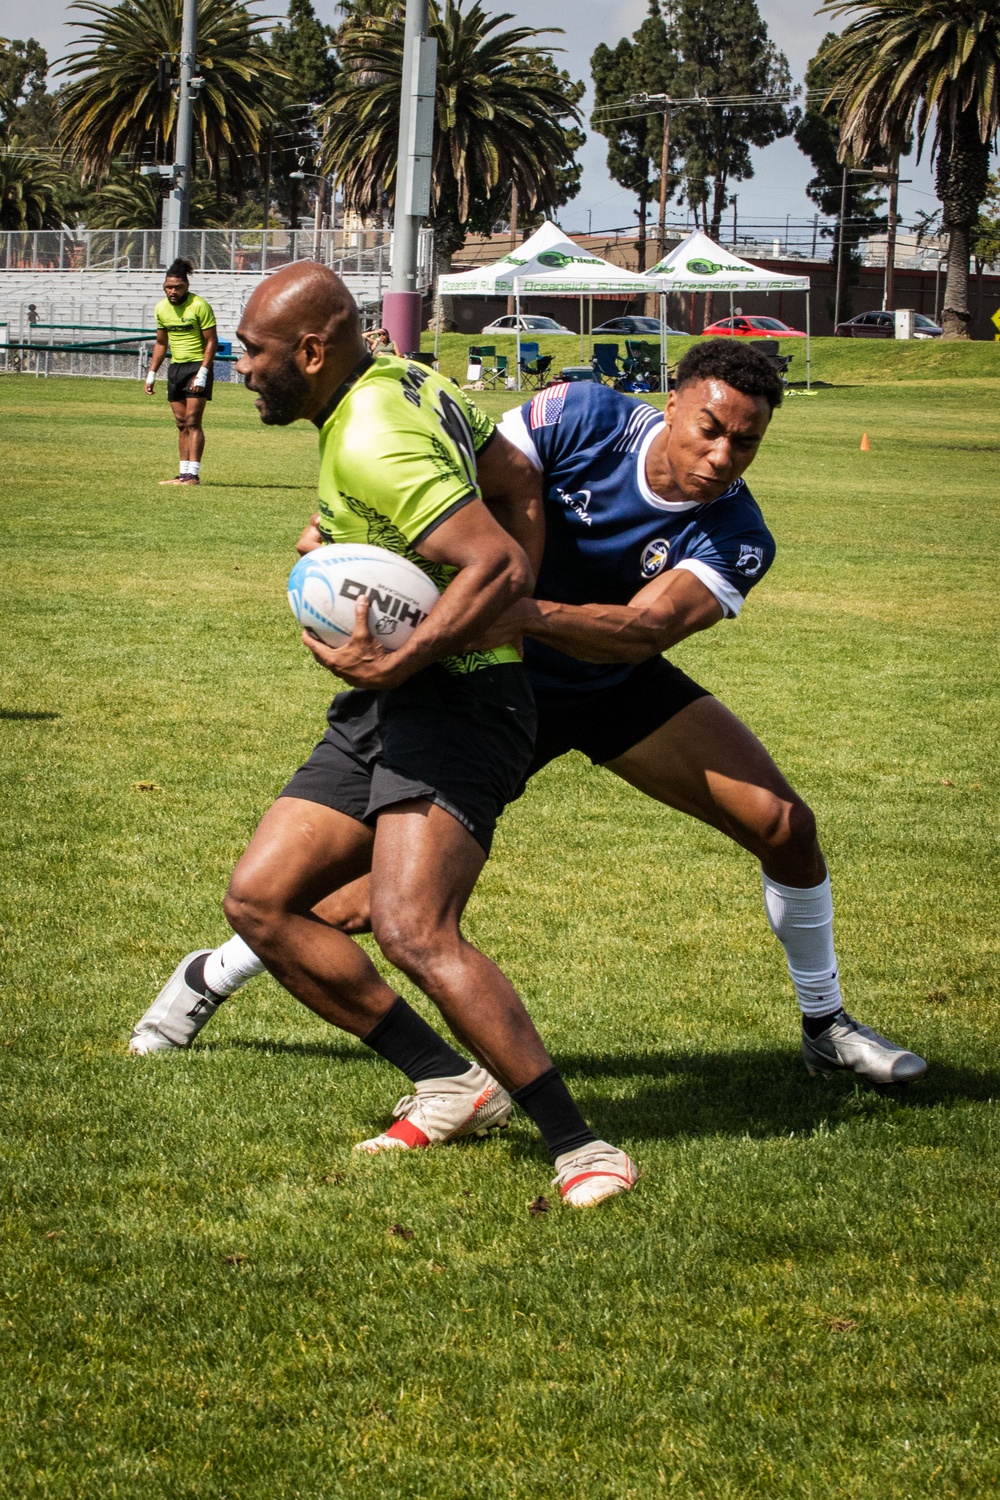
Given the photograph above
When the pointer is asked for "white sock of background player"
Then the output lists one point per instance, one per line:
(802, 921)
(229, 967)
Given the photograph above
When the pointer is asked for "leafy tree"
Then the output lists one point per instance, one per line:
(501, 105)
(906, 63)
(817, 135)
(986, 231)
(726, 51)
(646, 64)
(303, 48)
(23, 66)
(115, 107)
(29, 189)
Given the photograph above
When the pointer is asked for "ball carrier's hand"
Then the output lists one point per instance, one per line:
(363, 662)
(492, 572)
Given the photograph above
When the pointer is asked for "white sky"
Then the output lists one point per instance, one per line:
(781, 171)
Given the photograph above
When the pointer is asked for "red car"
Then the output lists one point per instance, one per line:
(752, 328)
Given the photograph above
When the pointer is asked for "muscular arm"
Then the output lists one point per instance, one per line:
(159, 350)
(211, 347)
(662, 613)
(493, 572)
(512, 489)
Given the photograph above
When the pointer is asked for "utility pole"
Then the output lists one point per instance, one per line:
(889, 175)
(176, 204)
(513, 235)
(839, 289)
(401, 307)
(661, 238)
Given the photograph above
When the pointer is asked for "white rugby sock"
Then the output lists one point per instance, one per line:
(231, 966)
(185, 466)
(802, 921)
(194, 465)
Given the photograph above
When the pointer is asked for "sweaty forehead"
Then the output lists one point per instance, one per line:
(738, 412)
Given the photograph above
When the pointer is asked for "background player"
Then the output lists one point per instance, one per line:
(186, 325)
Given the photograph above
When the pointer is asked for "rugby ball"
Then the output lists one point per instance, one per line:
(324, 585)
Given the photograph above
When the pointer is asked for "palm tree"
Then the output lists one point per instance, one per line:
(29, 190)
(902, 63)
(498, 122)
(122, 102)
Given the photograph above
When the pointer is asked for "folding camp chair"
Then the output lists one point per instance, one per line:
(642, 364)
(534, 366)
(474, 368)
(771, 351)
(606, 364)
(496, 374)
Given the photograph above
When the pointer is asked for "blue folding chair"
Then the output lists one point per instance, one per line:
(606, 364)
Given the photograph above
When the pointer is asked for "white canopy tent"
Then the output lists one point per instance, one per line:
(548, 264)
(698, 264)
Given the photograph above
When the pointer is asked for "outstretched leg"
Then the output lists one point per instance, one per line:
(705, 762)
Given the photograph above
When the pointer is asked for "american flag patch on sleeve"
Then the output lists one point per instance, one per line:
(547, 406)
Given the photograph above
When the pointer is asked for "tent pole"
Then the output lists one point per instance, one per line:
(808, 344)
(592, 324)
(664, 357)
(730, 309)
(437, 322)
(583, 331)
(517, 327)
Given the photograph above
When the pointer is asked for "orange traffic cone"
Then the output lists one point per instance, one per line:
(865, 445)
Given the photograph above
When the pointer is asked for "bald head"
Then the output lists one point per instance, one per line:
(301, 336)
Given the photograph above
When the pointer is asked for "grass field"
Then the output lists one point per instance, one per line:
(202, 1293)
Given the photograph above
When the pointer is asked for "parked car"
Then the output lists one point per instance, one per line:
(752, 328)
(882, 325)
(528, 323)
(636, 327)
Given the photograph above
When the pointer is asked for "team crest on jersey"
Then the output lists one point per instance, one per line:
(750, 560)
(654, 559)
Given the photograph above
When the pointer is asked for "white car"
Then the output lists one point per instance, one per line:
(527, 323)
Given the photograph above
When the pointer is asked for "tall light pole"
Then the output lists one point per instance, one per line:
(175, 206)
(401, 307)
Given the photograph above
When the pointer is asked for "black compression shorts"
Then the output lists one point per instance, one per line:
(461, 742)
(605, 722)
(179, 376)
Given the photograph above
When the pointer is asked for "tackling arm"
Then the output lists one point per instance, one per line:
(662, 613)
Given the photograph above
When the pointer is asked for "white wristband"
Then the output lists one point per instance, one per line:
(151, 378)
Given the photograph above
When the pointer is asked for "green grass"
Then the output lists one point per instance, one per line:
(834, 361)
(200, 1292)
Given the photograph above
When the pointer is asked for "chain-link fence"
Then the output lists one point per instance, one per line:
(349, 252)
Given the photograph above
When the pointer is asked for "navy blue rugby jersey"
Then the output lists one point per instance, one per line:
(607, 533)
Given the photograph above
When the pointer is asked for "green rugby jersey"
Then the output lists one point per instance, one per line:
(185, 326)
(397, 456)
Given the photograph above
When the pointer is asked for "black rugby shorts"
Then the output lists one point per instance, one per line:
(178, 377)
(461, 742)
(605, 722)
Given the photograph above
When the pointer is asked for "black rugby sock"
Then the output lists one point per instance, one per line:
(404, 1039)
(550, 1104)
(194, 978)
(814, 1026)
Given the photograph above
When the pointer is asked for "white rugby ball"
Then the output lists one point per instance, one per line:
(323, 587)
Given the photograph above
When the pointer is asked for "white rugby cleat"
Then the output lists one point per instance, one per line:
(849, 1046)
(443, 1109)
(176, 1015)
(594, 1172)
